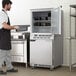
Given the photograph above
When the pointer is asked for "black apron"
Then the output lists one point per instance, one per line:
(5, 38)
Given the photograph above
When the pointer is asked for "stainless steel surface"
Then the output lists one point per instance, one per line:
(46, 40)
(46, 20)
(70, 36)
(18, 36)
(19, 47)
(22, 28)
(41, 36)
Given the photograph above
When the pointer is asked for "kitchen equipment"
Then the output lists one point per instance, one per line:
(46, 40)
(19, 44)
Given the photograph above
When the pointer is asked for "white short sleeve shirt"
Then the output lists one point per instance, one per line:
(3, 18)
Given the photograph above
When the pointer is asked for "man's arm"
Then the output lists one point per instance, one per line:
(6, 26)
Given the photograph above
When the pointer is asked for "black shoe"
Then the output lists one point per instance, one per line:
(12, 70)
(2, 72)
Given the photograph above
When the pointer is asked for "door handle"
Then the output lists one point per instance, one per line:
(32, 40)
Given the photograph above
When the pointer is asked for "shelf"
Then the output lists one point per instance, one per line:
(73, 6)
(42, 26)
(71, 38)
(73, 15)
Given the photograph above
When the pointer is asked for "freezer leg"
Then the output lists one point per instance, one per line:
(51, 68)
(26, 65)
(32, 66)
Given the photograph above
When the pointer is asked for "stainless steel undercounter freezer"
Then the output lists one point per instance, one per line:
(46, 47)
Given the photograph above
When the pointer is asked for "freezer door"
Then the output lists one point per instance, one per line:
(41, 52)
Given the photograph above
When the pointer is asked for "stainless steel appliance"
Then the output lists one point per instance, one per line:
(19, 45)
(46, 38)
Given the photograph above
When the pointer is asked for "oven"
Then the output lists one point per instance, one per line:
(19, 45)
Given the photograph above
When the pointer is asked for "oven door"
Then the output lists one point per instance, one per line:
(17, 48)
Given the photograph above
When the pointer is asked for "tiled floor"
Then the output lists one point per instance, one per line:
(62, 71)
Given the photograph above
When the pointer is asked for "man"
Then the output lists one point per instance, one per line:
(5, 38)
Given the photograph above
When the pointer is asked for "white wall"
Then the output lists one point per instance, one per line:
(20, 14)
